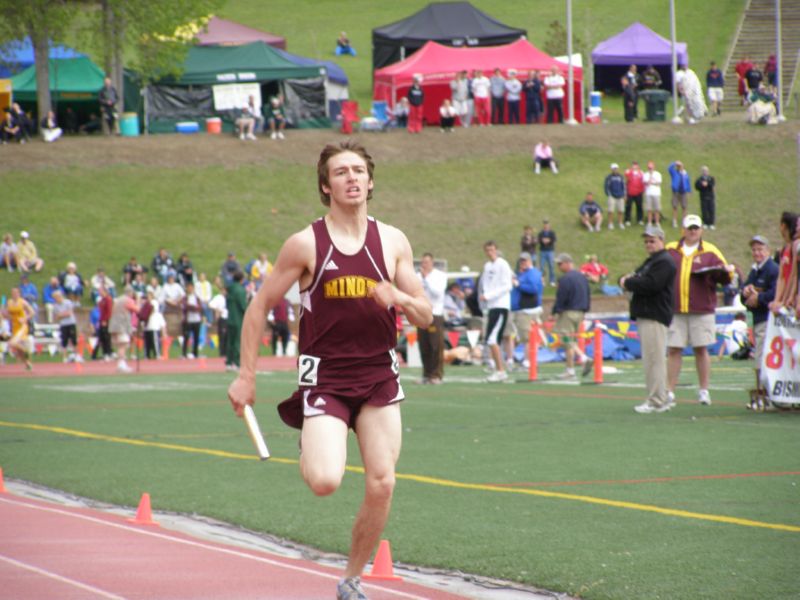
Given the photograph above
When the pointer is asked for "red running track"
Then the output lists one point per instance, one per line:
(53, 551)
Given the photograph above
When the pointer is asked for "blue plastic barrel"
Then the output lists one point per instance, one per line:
(594, 99)
(129, 124)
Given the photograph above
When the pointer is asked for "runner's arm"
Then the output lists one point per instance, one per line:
(295, 258)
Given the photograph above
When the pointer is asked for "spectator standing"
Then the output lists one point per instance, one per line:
(495, 292)
(101, 280)
(192, 311)
(694, 103)
(219, 305)
(771, 70)
(629, 98)
(715, 84)
(173, 295)
(634, 82)
(614, 186)
(260, 268)
(498, 90)
(700, 267)
(634, 186)
(753, 78)
(554, 91)
(155, 326)
(105, 304)
(8, 253)
(64, 313)
(526, 300)
(459, 93)
(431, 338)
(278, 319)
(29, 292)
(27, 255)
(205, 292)
(652, 194)
(513, 95)
(758, 291)
(742, 67)
(48, 297)
(573, 301)
(681, 188)
(533, 97)
(543, 157)
(184, 270)
(70, 121)
(481, 92)
(236, 303)
(276, 118)
(705, 185)
(108, 98)
(528, 242)
(651, 306)
(120, 326)
(651, 78)
(547, 248)
(229, 268)
(416, 102)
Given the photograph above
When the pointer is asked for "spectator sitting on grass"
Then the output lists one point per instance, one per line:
(401, 110)
(29, 292)
(185, 270)
(543, 157)
(10, 129)
(72, 282)
(343, 46)
(101, 280)
(173, 294)
(131, 269)
(735, 336)
(163, 265)
(8, 253)
(49, 128)
(591, 213)
(762, 109)
(139, 286)
(229, 267)
(594, 270)
(27, 256)
(276, 118)
(48, 299)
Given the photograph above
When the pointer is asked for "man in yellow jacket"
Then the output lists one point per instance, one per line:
(700, 268)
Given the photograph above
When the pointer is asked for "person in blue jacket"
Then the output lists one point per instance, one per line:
(526, 300)
(681, 188)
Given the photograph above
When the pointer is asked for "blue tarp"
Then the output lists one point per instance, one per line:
(335, 73)
(17, 56)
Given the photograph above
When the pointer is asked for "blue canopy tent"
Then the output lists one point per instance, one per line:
(336, 81)
(18, 55)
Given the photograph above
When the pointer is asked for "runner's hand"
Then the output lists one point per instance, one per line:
(240, 393)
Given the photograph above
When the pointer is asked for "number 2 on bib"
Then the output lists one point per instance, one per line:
(307, 368)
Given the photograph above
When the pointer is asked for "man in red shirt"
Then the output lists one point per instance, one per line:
(634, 184)
(105, 304)
(353, 272)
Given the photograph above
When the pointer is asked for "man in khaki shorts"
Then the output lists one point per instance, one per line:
(573, 299)
(700, 267)
(652, 194)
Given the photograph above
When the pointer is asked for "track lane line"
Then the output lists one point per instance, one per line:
(202, 546)
(39, 571)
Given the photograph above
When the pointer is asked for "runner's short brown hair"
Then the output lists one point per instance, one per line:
(332, 150)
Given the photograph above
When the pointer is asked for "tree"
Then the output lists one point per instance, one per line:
(556, 42)
(146, 33)
(43, 21)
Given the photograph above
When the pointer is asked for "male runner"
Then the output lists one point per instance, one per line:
(346, 264)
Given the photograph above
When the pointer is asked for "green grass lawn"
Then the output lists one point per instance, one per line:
(557, 486)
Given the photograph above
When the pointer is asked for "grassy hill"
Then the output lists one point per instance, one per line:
(98, 201)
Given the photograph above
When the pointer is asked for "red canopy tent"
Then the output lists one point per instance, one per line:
(221, 32)
(439, 64)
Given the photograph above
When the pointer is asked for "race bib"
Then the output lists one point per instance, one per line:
(307, 369)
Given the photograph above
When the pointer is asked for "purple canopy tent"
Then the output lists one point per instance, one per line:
(637, 45)
(221, 32)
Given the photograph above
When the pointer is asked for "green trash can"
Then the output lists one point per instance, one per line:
(656, 104)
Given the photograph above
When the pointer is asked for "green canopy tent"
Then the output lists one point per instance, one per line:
(74, 83)
(210, 70)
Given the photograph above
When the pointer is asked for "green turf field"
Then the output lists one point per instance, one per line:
(556, 485)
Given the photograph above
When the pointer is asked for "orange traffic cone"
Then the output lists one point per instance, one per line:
(598, 353)
(143, 514)
(2, 485)
(78, 364)
(201, 361)
(382, 565)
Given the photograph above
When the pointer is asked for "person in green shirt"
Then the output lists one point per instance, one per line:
(237, 305)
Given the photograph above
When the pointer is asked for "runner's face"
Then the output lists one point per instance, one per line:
(348, 179)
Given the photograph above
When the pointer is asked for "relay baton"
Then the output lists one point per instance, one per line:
(255, 432)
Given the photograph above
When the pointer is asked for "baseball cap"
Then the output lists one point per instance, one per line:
(692, 221)
(563, 258)
(614, 166)
(525, 256)
(759, 239)
(23, 234)
(653, 231)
